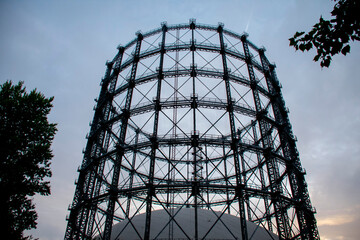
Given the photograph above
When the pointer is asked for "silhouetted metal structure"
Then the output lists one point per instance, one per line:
(191, 116)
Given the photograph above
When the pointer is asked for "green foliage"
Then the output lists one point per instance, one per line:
(331, 37)
(25, 154)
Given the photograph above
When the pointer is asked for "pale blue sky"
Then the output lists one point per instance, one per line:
(60, 48)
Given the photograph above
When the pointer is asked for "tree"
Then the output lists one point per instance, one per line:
(331, 37)
(25, 154)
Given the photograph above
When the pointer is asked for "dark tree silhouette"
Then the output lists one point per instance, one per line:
(331, 37)
(25, 154)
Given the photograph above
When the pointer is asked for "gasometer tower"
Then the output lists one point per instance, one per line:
(191, 123)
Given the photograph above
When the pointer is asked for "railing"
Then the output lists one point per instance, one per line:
(204, 102)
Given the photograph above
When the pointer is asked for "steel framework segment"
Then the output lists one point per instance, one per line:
(234, 140)
(175, 127)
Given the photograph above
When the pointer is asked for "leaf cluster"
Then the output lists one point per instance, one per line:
(330, 37)
(25, 154)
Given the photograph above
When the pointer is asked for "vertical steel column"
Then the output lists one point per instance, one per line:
(85, 187)
(207, 177)
(154, 140)
(172, 154)
(226, 177)
(234, 141)
(304, 210)
(273, 171)
(194, 134)
(113, 191)
(109, 113)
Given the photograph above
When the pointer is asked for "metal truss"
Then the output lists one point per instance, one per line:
(191, 116)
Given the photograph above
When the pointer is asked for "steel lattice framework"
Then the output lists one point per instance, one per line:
(191, 116)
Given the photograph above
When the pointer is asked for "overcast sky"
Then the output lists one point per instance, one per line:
(60, 48)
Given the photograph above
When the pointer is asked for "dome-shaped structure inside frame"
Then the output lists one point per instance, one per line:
(191, 116)
(184, 226)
